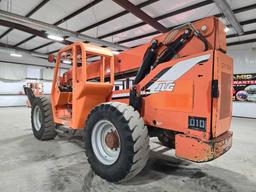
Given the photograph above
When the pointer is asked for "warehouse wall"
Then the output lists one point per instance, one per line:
(14, 76)
(244, 62)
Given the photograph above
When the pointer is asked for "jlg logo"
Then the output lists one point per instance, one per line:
(164, 86)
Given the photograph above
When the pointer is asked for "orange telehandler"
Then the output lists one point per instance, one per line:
(181, 93)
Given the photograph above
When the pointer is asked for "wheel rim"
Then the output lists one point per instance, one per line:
(37, 118)
(105, 142)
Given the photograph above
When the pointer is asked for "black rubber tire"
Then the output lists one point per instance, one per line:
(134, 140)
(47, 129)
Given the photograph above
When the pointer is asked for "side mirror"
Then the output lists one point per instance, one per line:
(51, 58)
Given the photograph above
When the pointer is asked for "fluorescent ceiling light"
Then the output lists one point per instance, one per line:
(226, 29)
(66, 61)
(15, 55)
(55, 37)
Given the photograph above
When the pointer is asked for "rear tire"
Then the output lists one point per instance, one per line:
(132, 146)
(42, 120)
(167, 140)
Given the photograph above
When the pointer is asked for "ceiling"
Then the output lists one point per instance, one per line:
(106, 20)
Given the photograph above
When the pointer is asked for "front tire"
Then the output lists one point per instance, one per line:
(116, 141)
(42, 120)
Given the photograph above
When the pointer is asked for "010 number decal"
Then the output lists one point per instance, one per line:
(198, 123)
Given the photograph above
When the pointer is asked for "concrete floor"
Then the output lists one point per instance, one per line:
(29, 165)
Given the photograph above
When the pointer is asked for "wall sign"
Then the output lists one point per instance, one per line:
(244, 88)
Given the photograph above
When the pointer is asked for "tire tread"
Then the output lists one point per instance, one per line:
(48, 132)
(138, 139)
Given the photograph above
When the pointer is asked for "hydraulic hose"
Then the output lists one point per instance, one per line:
(148, 60)
(174, 47)
(203, 39)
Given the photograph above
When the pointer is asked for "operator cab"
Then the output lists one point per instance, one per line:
(81, 60)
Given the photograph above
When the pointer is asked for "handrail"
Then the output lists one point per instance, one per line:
(92, 49)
